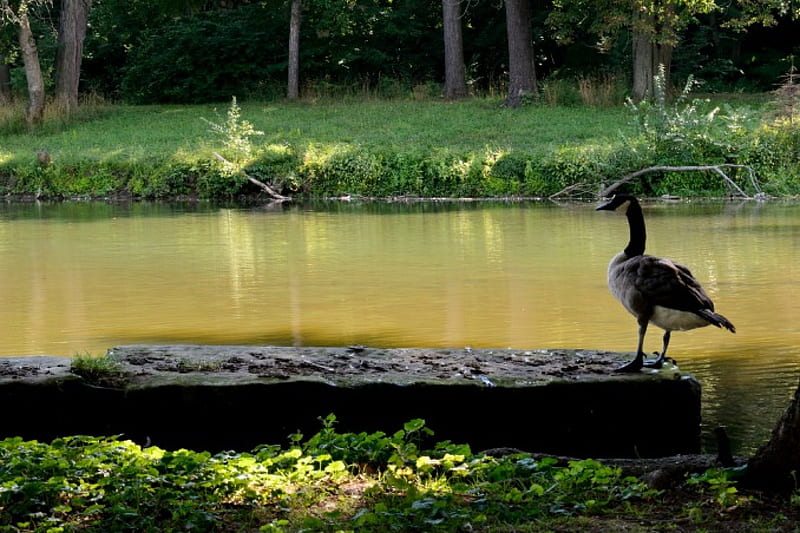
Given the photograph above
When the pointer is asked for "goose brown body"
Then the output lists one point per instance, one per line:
(655, 290)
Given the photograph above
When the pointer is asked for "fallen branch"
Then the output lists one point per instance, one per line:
(269, 190)
(657, 472)
(582, 188)
(729, 183)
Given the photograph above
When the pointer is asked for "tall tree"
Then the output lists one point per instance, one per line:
(455, 83)
(5, 81)
(654, 26)
(653, 41)
(293, 90)
(521, 70)
(19, 14)
(71, 34)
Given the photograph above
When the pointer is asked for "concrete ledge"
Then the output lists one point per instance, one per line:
(566, 402)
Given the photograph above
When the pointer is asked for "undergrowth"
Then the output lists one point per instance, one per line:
(331, 481)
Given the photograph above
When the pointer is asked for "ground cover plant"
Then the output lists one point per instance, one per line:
(382, 148)
(336, 481)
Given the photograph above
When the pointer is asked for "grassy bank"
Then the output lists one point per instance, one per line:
(388, 148)
(355, 482)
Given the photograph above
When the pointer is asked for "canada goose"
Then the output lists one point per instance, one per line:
(655, 290)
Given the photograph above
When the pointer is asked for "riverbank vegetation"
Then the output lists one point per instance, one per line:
(402, 147)
(337, 481)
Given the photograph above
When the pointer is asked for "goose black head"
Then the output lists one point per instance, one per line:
(616, 202)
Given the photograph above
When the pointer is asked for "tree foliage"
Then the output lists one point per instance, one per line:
(661, 20)
(747, 13)
(208, 50)
(173, 63)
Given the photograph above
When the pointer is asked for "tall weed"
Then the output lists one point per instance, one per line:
(605, 90)
(56, 116)
(677, 132)
(236, 135)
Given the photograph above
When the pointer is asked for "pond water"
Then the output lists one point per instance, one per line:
(81, 278)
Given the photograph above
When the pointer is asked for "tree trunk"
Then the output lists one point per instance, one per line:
(775, 466)
(647, 56)
(455, 84)
(663, 54)
(293, 89)
(5, 82)
(33, 71)
(643, 66)
(71, 34)
(521, 71)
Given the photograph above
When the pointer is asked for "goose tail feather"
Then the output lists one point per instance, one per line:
(717, 320)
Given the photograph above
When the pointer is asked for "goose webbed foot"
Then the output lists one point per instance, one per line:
(633, 366)
(658, 362)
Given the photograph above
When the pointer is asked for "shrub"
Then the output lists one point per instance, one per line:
(277, 164)
(340, 169)
(508, 172)
(676, 133)
(774, 153)
(406, 172)
(568, 165)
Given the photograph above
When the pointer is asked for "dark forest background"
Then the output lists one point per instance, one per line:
(158, 51)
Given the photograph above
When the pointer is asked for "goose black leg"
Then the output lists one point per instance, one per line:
(659, 361)
(638, 361)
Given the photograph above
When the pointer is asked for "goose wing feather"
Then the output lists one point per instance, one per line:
(671, 285)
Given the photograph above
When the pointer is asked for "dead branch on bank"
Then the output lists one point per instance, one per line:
(730, 185)
(263, 186)
(657, 472)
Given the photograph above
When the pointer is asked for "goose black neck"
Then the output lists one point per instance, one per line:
(638, 234)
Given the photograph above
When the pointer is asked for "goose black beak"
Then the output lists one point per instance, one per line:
(606, 206)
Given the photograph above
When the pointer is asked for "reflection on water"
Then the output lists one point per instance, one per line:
(80, 278)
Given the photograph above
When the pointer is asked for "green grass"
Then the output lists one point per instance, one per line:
(380, 148)
(102, 371)
(137, 134)
(133, 135)
(470, 125)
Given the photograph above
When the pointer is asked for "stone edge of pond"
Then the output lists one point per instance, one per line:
(143, 366)
(567, 402)
(35, 369)
(151, 365)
